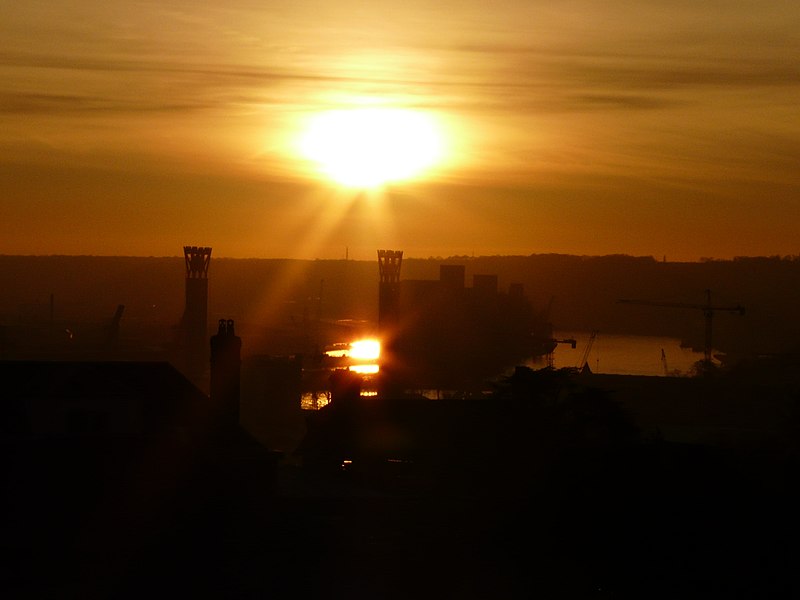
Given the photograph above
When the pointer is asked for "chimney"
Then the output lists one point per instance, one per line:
(226, 352)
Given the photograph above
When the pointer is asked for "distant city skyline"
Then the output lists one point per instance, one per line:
(134, 128)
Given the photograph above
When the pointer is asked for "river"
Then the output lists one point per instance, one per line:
(615, 354)
(623, 354)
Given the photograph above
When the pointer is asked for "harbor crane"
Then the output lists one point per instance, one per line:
(708, 312)
(550, 359)
(584, 364)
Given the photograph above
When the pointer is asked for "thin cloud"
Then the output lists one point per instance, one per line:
(700, 75)
(52, 104)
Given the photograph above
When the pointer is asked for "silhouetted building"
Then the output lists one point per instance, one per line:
(345, 386)
(484, 286)
(194, 325)
(226, 361)
(446, 335)
(452, 276)
(389, 263)
(120, 464)
(107, 399)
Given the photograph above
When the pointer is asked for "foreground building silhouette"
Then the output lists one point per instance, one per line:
(122, 466)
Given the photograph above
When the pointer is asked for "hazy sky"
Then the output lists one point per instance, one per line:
(641, 127)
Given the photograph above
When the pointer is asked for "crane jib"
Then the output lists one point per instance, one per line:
(707, 308)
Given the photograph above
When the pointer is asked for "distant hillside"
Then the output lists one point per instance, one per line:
(581, 291)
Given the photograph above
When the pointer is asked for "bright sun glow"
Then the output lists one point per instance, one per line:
(364, 369)
(365, 350)
(369, 147)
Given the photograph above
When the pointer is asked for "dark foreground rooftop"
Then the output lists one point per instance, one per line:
(424, 501)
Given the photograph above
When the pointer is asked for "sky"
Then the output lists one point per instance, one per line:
(663, 128)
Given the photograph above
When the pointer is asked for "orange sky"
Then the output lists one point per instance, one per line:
(644, 128)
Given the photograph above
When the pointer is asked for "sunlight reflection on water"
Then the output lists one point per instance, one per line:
(624, 354)
(614, 354)
(314, 400)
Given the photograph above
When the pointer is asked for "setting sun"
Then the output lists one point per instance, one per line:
(365, 349)
(369, 147)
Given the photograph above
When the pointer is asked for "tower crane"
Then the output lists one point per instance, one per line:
(550, 359)
(708, 312)
(584, 364)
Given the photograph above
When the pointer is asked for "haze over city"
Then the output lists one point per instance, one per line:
(399, 299)
(127, 128)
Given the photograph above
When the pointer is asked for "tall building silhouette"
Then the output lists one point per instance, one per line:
(194, 324)
(226, 366)
(389, 263)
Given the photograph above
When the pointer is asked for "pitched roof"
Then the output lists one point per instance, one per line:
(77, 379)
(164, 396)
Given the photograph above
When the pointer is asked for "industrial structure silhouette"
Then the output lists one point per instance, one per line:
(126, 476)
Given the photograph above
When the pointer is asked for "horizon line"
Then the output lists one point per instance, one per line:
(776, 257)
